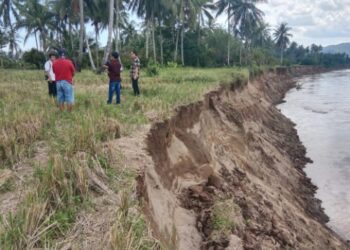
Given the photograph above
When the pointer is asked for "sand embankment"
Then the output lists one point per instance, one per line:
(227, 173)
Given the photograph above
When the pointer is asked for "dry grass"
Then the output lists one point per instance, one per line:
(78, 165)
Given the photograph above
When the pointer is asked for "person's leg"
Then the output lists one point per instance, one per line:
(54, 89)
(69, 95)
(60, 95)
(133, 86)
(110, 92)
(49, 87)
(118, 91)
(137, 87)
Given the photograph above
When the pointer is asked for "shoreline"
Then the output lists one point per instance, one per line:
(313, 165)
(205, 159)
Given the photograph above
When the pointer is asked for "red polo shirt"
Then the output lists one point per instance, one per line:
(63, 69)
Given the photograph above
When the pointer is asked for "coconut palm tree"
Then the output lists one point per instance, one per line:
(204, 14)
(99, 20)
(150, 10)
(121, 20)
(37, 19)
(282, 35)
(110, 32)
(13, 39)
(234, 7)
(247, 19)
(3, 37)
(187, 13)
(261, 35)
(9, 8)
(81, 32)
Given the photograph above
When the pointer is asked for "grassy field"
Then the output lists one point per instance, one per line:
(61, 187)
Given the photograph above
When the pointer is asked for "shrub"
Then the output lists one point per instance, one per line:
(172, 65)
(35, 57)
(152, 69)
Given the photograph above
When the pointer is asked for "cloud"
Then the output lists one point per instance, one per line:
(325, 21)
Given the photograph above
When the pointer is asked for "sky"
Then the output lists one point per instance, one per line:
(323, 22)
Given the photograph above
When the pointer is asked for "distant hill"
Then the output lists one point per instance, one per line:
(340, 48)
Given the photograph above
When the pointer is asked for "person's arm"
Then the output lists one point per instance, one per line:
(47, 71)
(119, 68)
(72, 68)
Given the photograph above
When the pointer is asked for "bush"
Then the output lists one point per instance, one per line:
(172, 65)
(255, 70)
(152, 69)
(35, 57)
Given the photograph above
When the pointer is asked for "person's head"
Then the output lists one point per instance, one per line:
(52, 56)
(114, 56)
(133, 54)
(62, 53)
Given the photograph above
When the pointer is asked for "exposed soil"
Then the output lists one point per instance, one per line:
(234, 152)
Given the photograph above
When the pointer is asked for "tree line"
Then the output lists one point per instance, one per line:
(173, 32)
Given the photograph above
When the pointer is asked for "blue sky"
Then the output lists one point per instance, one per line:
(322, 22)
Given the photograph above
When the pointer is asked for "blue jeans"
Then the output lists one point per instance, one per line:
(113, 87)
(65, 92)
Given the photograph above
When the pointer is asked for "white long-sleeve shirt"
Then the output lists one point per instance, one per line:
(49, 70)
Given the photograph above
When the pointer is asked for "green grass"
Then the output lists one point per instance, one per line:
(75, 142)
(222, 217)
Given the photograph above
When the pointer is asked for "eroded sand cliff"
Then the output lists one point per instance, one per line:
(227, 173)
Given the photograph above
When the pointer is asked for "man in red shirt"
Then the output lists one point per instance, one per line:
(64, 72)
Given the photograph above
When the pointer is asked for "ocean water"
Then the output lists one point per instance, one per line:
(321, 110)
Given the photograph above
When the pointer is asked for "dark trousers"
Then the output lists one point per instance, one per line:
(135, 86)
(113, 87)
(52, 89)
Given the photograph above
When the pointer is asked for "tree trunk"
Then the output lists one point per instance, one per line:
(240, 55)
(117, 16)
(281, 56)
(81, 33)
(182, 45)
(70, 35)
(199, 37)
(36, 41)
(43, 37)
(97, 56)
(110, 32)
(176, 45)
(229, 37)
(147, 40)
(154, 39)
(154, 43)
(90, 55)
(161, 45)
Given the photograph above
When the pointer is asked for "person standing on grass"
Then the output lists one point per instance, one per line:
(50, 76)
(135, 72)
(114, 68)
(64, 72)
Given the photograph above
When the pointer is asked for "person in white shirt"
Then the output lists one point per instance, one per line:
(50, 75)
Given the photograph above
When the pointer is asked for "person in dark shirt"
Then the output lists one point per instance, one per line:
(114, 68)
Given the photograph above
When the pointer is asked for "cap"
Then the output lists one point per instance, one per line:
(115, 55)
(62, 52)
